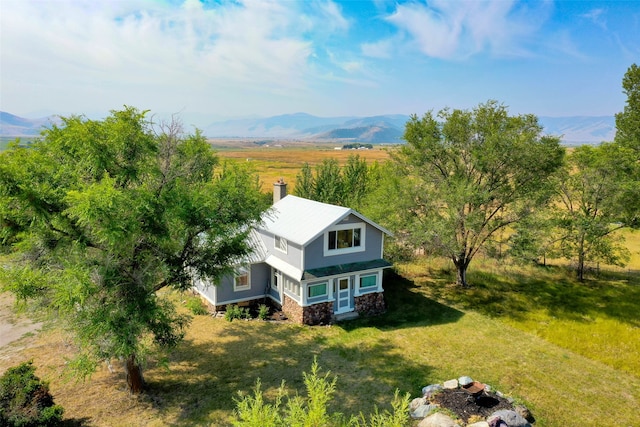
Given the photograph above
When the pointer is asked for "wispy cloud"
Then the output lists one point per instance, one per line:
(332, 17)
(597, 16)
(453, 30)
(380, 49)
(149, 43)
(238, 57)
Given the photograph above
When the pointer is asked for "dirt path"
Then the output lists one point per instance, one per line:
(13, 327)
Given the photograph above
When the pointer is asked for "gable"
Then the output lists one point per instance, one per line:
(302, 220)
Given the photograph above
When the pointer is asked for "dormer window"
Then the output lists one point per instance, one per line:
(280, 243)
(344, 238)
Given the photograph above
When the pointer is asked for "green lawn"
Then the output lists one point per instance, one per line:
(568, 350)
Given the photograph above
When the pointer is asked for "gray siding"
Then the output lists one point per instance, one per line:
(314, 254)
(294, 252)
(209, 291)
(259, 277)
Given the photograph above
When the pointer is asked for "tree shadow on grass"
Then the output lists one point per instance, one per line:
(205, 375)
(407, 306)
(76, 422)
(512, 294)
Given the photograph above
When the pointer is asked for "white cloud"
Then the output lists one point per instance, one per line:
(107, 49)
(597, 16)
(382, 49)
(455, 29)
(332, 16)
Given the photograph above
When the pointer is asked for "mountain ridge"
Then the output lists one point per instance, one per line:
(574, 130)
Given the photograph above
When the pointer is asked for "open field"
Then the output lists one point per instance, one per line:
(282, 159)
(568, 350)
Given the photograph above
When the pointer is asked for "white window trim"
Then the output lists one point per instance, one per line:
(326, 290)
(370, 289)
(279, 247)
(246, 287)
(363, 232)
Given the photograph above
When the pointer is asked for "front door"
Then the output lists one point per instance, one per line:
(343, 296)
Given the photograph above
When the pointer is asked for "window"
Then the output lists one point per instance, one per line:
(368, 281)
(317, 290)
(241, 280)
(280, 243)
(277, 277)
(292, 287)
(345, 238)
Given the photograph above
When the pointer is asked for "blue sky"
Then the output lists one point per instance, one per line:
(223, 59)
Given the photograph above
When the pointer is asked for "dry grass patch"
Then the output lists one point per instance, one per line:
(272, 163)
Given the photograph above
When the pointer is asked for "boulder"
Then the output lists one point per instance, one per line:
(451, 384)
(464, 381)
(511, 418)
(423, 411)
(430, 390)
(438, 419)
(416, 403)
(479, 424)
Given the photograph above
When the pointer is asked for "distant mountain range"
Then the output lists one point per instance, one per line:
(11, 125)
(376, 129)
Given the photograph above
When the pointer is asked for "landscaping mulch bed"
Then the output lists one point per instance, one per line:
(465, 405)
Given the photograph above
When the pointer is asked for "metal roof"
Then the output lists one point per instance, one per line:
(340, 269)
(300, 220)
(258, 249)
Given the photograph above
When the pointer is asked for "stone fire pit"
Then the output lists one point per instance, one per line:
(472, 404)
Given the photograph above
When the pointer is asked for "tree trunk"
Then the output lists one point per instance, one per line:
(581, 257)
(135, 380)
(580, 272)
(461, 272)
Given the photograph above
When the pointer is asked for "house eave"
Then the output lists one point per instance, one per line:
(342, 269)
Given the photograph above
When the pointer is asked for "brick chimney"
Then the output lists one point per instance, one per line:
(279, 190)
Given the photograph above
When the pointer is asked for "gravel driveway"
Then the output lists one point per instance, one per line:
(12, 326)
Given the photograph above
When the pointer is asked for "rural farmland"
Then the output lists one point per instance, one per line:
(566, 349)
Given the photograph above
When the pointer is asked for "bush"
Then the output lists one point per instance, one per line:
(25, 400)
(253, 411)
(236, 312)
(196, 306)
(263, 312)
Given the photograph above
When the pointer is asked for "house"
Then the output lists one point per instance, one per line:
(316, 262)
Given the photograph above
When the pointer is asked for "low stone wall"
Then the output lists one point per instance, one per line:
(370, 304)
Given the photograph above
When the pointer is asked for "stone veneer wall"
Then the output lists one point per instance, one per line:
(292, 309)
(322, 313)
(370, 304)
(317, 314)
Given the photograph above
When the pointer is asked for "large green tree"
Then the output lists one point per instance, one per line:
(101, 215)
(588, 210)
(628, 153)
(628, 121)
(463, 176)
(346, 186)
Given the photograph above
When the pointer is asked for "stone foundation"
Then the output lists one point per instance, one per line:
(292, 310)
(370, 304)
(318, 314)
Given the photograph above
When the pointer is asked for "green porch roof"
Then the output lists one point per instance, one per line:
(335, 270)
